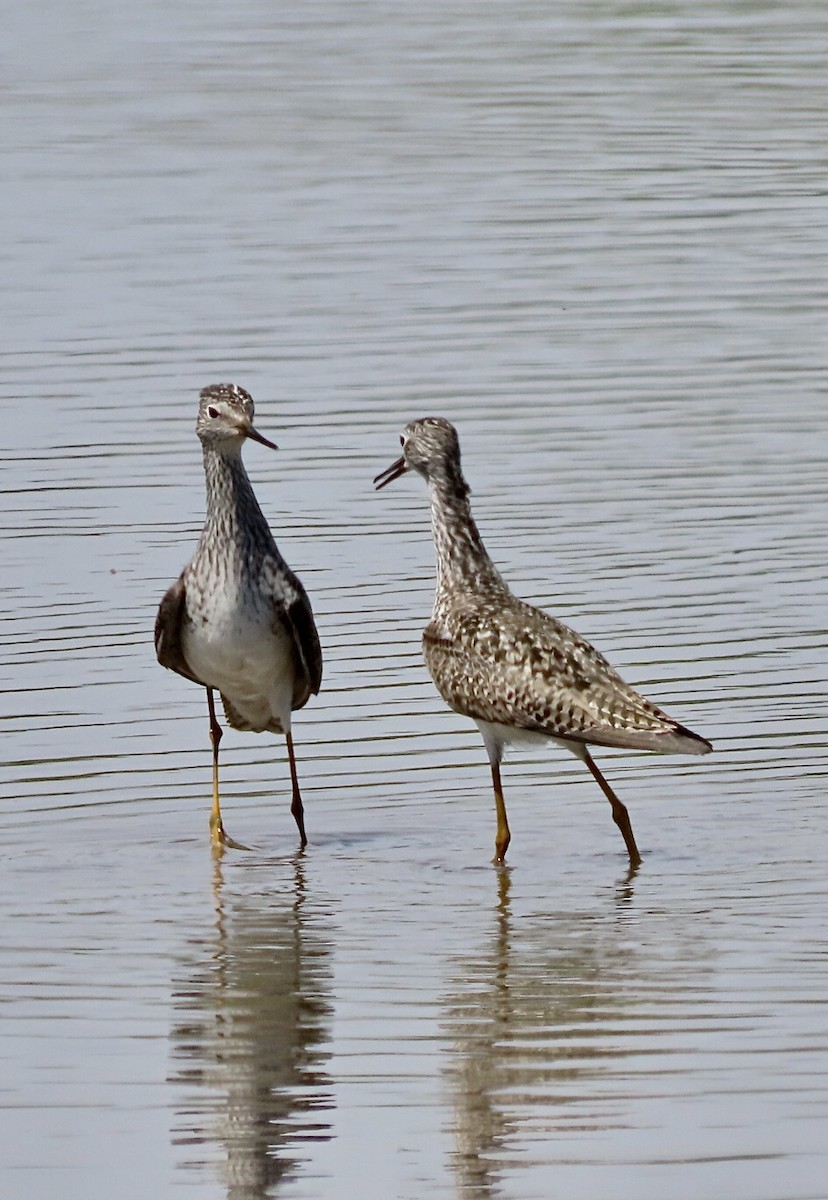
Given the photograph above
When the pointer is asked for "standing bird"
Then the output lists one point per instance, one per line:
(237, 619)
(520, 674)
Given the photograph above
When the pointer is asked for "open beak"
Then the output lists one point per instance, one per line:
(393, 472)
(255, 436)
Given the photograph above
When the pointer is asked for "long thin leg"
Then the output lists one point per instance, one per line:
(217, 834)
(296, 803)
(218, 837)
(619, 811)
(503, 835)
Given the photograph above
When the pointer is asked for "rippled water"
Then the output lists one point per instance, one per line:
(594, 235)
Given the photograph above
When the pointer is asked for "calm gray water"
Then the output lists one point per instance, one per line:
(595, 236)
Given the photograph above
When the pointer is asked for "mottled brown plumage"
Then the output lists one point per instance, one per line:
(237, 619)
(518, 672)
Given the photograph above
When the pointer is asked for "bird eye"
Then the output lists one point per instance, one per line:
(212, 412)
(402, 440)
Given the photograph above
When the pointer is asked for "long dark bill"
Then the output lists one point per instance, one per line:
(393, 472)
(255, 436)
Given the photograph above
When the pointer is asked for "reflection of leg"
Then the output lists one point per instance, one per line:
(503, 835)
(217, 835)
(296, 803)
(619, 811)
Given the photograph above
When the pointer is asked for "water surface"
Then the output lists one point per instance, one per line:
(594, 236)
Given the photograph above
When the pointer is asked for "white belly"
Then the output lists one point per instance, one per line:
(247, 659)
(497, 737)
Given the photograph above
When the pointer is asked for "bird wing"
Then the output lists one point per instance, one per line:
(172, 613)
(292, 613)
(306, 649)
(517, 666)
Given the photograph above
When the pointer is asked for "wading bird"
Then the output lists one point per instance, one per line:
(237, 620)
(520, 674)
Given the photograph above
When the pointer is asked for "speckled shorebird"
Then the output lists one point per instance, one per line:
(237, 619)
(520, 674)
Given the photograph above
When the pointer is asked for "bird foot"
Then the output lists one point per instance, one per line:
(221, 841)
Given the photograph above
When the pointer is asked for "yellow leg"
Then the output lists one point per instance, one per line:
(619, 810)
(296, 806)
(218, 837)
(503, 835)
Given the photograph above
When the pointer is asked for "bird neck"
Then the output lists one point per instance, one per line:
(462, 560)
(234, 520)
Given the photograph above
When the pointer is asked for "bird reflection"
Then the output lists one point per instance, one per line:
(251, 1026)
(534, 1022)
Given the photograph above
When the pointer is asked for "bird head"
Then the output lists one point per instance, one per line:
(431, 447)
(225, 417)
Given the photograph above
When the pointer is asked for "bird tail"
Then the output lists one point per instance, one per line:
(673, 739)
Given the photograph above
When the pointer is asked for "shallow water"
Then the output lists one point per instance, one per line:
(593, 235)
